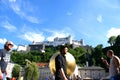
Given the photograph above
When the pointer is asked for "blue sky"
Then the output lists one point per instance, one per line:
(25, 21)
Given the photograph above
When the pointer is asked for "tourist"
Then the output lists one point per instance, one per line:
(114, 65)
(4, 60)
(60, 64)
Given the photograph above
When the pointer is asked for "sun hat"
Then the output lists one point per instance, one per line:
(9, 43)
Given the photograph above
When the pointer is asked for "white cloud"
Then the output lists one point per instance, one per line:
(112, 4)
(86, 34)
(69, 13)
(20, 9)
(32, 19)
(59, 34)
(113, 32)
(99, 18)
(33, 36)
(15, 46)
(12, 0)
(9, 26)
(3, 40)
(56, 34)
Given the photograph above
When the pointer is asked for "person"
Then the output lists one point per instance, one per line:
(60, 64)
(5, 57)
(114, 66)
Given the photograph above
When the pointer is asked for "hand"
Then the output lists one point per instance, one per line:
(105, 61)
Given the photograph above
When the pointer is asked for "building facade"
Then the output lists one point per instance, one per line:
(22, 48)
(61, 41)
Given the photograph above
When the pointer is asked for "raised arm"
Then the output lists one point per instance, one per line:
(106, 63)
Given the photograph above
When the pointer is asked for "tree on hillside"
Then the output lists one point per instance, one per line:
(18, 58)
(97, 54)
(112, 40)
(117, 42)
(116, 45)
(79, 54)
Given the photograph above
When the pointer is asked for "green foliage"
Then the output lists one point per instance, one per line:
(18, 58)
(28, 72)
(36, 72)
(97, 54)
(117, 42)
(16, 71)
(31, 72)
(79, 54)
(94, 61)
(112, 40)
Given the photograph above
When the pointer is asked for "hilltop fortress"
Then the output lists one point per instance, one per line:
(56, 42)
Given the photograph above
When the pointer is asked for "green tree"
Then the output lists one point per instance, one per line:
(18, 58)
(97, 54)
(117, 42)
(78, 53)
(112, 40)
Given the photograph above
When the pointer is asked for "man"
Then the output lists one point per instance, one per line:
(60, 64)
(5, 57)
(114, 65)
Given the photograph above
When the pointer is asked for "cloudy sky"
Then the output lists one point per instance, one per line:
(25, 21)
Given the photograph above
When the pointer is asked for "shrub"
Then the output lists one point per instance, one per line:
(31, 72)
(16, 71)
